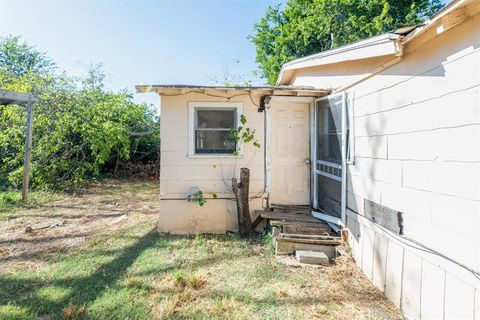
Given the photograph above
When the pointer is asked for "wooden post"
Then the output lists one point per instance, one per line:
(241, 191)
(28, 152)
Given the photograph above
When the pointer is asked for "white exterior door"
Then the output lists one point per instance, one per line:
(289, 153)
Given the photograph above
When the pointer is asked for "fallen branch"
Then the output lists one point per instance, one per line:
(44, 226)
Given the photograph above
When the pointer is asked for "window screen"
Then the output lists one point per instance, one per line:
(329, 139)
(212, 131)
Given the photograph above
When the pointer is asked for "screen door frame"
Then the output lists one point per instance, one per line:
(330, 165)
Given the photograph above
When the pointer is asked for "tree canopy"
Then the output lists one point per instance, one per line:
(81, 129)
(305, 27)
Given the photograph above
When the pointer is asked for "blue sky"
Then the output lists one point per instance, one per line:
(143, 41)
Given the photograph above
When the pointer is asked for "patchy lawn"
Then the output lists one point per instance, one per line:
(10, 201)
(105, 260)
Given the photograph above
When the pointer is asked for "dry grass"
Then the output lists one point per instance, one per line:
(92, 267)
(83, 214)
(73, 312)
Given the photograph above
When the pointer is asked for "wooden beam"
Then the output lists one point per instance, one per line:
(257, 221)
(286, 216)
(318, 224)
(308, 240)
(13, 97)
(28, 152)
(308, 236)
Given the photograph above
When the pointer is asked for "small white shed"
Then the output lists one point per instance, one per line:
(383, 134)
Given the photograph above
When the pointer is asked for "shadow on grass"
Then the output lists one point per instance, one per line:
(81, 291)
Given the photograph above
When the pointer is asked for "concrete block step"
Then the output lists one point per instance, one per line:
(312, 257)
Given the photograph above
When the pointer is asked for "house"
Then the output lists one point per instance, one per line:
(383, 134)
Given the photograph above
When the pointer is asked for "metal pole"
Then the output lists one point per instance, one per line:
(28, 152)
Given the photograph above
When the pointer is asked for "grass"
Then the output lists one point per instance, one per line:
(133, 272)
(11, 200)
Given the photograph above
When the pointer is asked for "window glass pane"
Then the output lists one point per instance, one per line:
(214, 141)
(215, 119)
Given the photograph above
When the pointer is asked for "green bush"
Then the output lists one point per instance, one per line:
(81, 130)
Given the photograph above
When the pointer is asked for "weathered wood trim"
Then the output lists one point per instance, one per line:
(28, 153)
(13, 97)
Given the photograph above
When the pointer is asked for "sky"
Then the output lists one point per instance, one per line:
(142, 41)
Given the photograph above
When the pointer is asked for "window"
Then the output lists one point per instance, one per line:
(210, 128)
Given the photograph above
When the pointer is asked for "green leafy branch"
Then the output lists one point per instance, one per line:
(243, 134)
(197, 197)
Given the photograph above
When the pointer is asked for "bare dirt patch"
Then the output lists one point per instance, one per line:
(100, 257)
(32, 234)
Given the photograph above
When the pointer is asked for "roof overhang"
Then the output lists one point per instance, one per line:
(228, 91)
(386, 44)
(448, 17)
(382, 45)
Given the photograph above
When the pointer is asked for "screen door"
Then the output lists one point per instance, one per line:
(330, 147)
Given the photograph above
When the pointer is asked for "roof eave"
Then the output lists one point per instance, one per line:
(378, 46)
(170, 90)
(448, 17)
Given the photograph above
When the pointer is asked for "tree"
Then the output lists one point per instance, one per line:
(81, 129)
(18, 59)
(305, 27)
(241, 135)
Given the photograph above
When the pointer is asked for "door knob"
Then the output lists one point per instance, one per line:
(307, 161)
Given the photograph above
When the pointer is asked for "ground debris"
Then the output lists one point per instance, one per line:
(290, 261)
(35, 233)
(119, 219)
(57, 223)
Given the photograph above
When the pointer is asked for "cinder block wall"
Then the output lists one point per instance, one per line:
(211, 174)
(417, 150)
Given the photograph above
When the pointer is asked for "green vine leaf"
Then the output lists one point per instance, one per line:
(243, 134)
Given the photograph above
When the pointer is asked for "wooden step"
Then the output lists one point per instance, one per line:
(316, 224)
(284, 216)
(301, 227)
(283, 208)
(311, 237)
(289, 243)
(288, 228)
(290, 206)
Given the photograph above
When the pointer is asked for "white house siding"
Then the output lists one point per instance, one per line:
(179, 172)
(417, 150)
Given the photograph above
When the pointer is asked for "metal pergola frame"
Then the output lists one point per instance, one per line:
(8, 97)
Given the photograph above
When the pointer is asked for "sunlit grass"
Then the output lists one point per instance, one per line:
(139, 274)
(130, 271)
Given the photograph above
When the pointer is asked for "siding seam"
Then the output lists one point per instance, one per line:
(413, 103)
(419, 74)
(418, 131)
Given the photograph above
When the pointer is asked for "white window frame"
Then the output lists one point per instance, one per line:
(195, 105)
